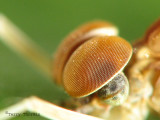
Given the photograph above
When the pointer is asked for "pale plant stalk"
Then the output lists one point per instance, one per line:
(22, 44)
(45, 109)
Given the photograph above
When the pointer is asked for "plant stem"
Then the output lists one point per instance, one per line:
(20, 43)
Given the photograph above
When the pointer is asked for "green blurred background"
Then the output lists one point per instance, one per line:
(47, 22)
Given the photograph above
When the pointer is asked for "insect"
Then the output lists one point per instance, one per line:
(89, 65)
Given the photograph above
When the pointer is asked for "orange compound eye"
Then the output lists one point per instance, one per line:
(87, 61)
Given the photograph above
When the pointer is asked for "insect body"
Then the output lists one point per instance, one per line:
(144, 72)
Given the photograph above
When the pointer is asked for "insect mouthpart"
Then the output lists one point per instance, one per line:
(116, 91)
